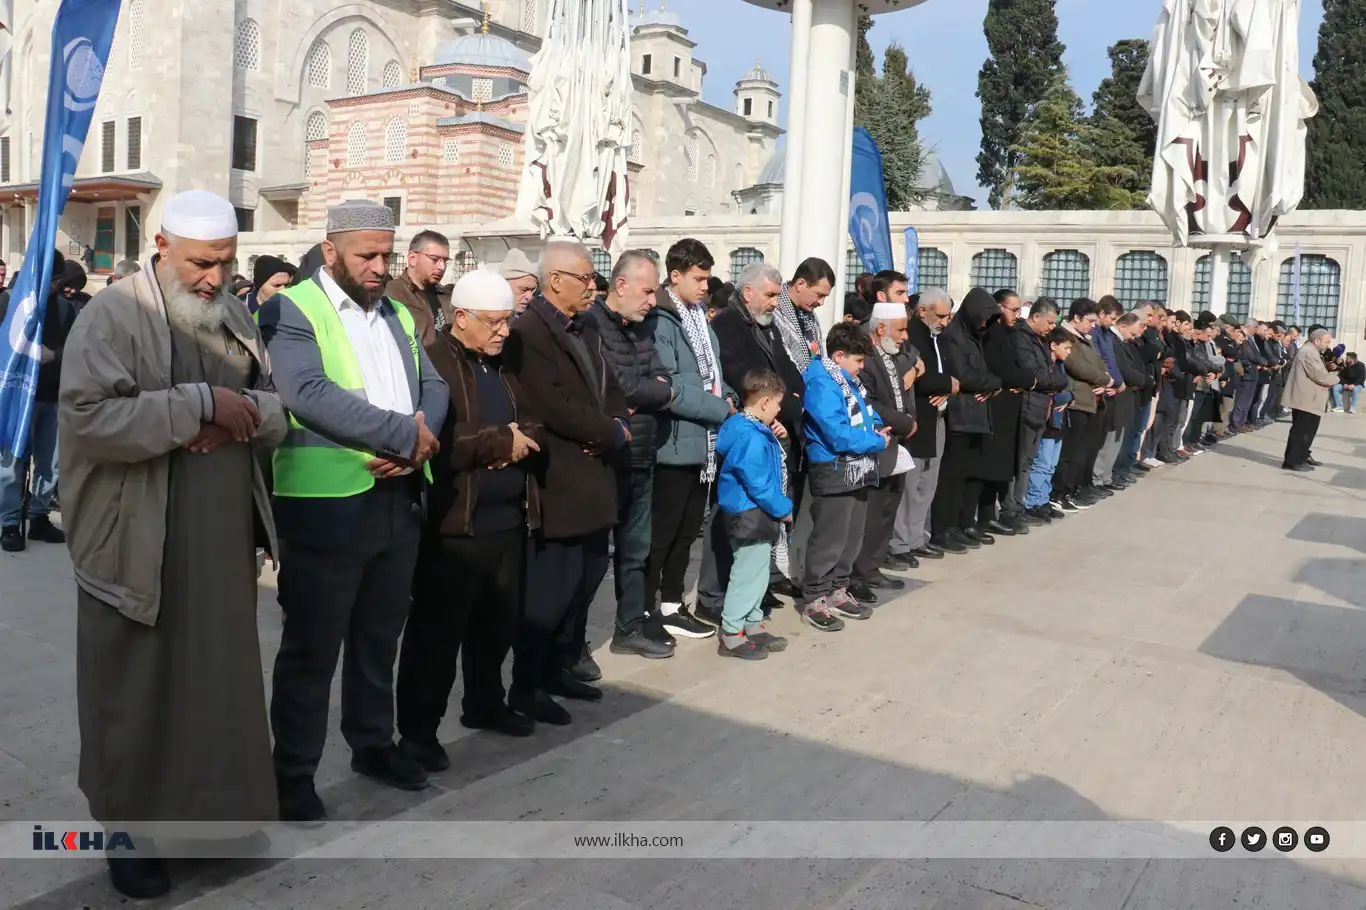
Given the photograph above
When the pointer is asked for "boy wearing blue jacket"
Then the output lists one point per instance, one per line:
(749, 493)
(843, 438)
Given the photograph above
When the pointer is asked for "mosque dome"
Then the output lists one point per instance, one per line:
(757, 74)
(483, 49)
(773, 171)
(656, 17)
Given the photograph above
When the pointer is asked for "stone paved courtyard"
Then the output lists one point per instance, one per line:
(1193, 649)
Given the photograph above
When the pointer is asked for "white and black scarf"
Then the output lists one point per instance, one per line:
(800, 331)
(892, 377)
(856, 468)
(694, 321)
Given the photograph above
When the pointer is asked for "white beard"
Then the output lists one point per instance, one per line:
(187, 310)
(763, 319)
(888, 345)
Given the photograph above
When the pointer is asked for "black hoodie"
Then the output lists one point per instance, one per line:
(961, 345)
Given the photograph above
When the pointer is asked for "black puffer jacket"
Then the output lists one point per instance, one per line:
(1031, 358)
(961, 346)
(630, 351)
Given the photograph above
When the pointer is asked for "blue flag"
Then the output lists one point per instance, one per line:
(912, 260)
(868, 226)
(81, 36)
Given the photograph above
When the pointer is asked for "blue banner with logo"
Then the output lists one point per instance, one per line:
(912, 269)
(81, 36)
(868, 226)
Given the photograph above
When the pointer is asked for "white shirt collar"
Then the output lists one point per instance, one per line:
(334, 292)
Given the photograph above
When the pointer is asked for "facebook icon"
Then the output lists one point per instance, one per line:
(1222, 839)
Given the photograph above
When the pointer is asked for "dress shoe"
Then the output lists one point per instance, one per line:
(1313, 462)
(784, 587)
(139, 877)
(299, 803)
(899, 562)
(963, 538)
(427, 752)
(955, 541)
(996, 526)
(770, 602)
(1017, 522)
(979, 535)
(860, 592)
(710, 616)
(567, 686)
(1043, 514)
(502, 720)
(876, 579)
(930, 550)
(640, 645)
(388, 765)
(587, 669)
(539, 707)
(1299, 468)
(42, 529)
(11, 541)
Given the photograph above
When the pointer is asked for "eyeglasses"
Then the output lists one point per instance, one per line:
(437, 260)
(585, 280)
(497, 325)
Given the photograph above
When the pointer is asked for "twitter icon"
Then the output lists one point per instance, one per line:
(1254, 839)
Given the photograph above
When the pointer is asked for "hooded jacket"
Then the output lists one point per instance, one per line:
(629, 350)
(749, 483)
(964, 359)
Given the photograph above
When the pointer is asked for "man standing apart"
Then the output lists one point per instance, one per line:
(1304, 396)
(686, 462)
(558, 360)
(166, 404)
(630, 351)
(348, 493)
(419, 287)
(468, 588)
(1350, 380)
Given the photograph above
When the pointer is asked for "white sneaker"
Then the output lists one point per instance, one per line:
(1152, 463)
(1336, 410)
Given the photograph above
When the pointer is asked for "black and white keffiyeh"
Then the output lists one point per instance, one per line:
(694, 321)
(893, 377)
(856, 468)
(800, 331)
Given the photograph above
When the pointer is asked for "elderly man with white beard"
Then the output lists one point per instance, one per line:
(166, 403)
(889, 378)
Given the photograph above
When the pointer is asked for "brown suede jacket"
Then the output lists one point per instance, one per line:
(470, 445)
(402, 289)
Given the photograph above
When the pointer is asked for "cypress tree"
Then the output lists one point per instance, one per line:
(1057, 160)
(1335, 172)
(1025, 60)
(890, 107)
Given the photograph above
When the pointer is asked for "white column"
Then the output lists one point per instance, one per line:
(829, 89)
(835, 308)
(1218, 280)
(796, 137)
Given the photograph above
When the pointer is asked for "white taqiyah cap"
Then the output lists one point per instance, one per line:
(887, 310)
(482, 289)
(199, 215)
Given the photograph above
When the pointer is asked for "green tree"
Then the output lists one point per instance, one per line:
(1057, 166)
(1025, 59)
(891, 107)
(1335, 172)
(1126, 133)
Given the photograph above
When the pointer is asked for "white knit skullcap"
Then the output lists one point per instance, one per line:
(199, 215)
(887, 310)
(482, 289)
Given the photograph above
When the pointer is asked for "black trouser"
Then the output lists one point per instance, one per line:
(360, 596)
(1162, 428)
(1205, 404)
(956, 497)
(631, 540)
(1077, 437)
(1303, 427)
(680, 501)
(561, 578)
(466, 597)
(878, 524)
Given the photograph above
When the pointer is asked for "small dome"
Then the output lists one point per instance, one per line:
(481, 49)
(935, 177)
(758, 74)
(777, 165)
(657, 17)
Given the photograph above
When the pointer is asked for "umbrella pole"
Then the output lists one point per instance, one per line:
(1218, 280)
(24, 479)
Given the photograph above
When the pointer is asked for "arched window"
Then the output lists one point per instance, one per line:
(319, 65)
(316, 128)
(529, 16)
(247, 46)
(709, 171)
(395, 141)
(602, 261)
(1239, 286)
(694, 150)
(1066, 276)
(357, 62)
(450, 151)
(853, 267)
(1320, 291)
(135, 34)
(933, 269)
(634, 153)
(461, 263)
(995, 270)
(393, 74)
(739, 259)
(355, 145)
(738, 178)
(1140, 275)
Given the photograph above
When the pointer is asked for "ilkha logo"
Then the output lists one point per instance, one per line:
(80, 840)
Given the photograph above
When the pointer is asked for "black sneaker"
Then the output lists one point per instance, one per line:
(770, 602)
(860, 592)
(299, 803)
(539, 707)
(746, 650)
(1068, 504)
(640, 645)
(568, 686)
(654, 629)
(843, 604)
(1313, 462)
(427, 752)
(784, 587)
(817, 615)
(388, 765)
(502, 720)
(139, 877)
(1043, 514)
(11, 541)
(587, 669)
(685, 624)
(42, 529)
(709, 615)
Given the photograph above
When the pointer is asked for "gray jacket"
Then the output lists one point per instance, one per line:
(694, 409)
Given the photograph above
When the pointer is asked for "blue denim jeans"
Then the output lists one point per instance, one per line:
(1337, 396)
(1041, 474)
(748, 582)
(42, 473)
(1133, 439)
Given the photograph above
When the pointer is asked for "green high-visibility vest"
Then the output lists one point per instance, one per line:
(307, 464)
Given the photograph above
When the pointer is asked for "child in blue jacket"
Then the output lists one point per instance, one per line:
(749, 493)
(843, 438)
